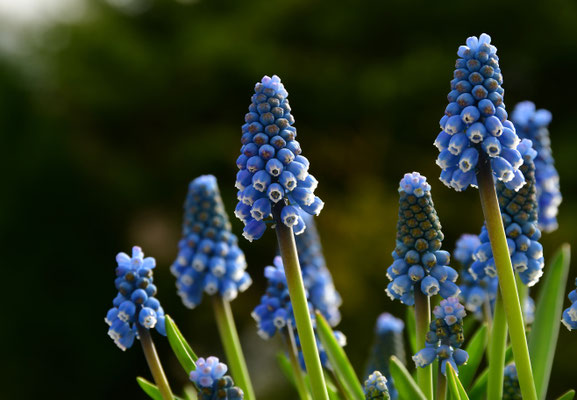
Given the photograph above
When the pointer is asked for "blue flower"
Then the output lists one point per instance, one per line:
(211, 381)
(419, 261)
(475, 124)
(376, 387)
(532, 124)
(272, 170)
(445, 337)
(388, 342)
(209, 259)
(570, 313)
(511, 388)
(519, 213)
(135, 303)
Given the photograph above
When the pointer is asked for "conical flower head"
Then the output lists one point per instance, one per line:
(135, 304)
(419, 263)
(376, 387)
(316, 276)
(511, 388)
(209, 259)
(211, 381)
(273, 173)
(533, 124)
(475, 124)
(519, 213)
(570, 313)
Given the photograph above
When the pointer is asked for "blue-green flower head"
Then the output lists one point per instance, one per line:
(511, 388)
(211, 381)
(570, 313)
(533, 124)
(273, 172)
(135, 304)
(376, 387)
(209, 259)
(475, 124)
(419, 263)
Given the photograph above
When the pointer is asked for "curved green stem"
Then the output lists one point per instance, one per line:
(288, 252)
(497, 348)
(511, 304)
(154, 363)
(422, 322)
(295, 364)
(231, 343)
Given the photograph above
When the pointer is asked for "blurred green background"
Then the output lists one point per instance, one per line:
(109, 109)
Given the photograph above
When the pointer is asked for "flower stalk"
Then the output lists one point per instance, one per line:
(497, 348)
(422, 322)
(154, 363)
(291, 348)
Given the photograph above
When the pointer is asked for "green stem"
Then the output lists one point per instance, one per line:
(441, 384)
(511, 305)
(295, 364)
(523, 293)
(154, 363)
(288, 252)
(231, 343)
(497, 348)
(422, 322)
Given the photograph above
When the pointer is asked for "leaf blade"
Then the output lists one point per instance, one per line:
(404, 382)
(180, 347)
(475, 349)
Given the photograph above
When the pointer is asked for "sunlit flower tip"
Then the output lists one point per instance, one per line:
(211, 381)
(376, 387)
(511, 388)
(533, 124)
(475, 117)
(414, 183)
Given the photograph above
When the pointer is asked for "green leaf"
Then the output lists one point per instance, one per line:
(411, 330)
(180, 347)
(475, 348)
(150, 389)
(339, 360)
(404, 382)
(479, 388)
(190, 392)
(455, 386)
(548, 311)
(332, 389)
(285, 366)
(569, 395)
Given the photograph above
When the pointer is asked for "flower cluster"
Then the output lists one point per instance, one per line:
(209, 259)
(511, 388)
(273, 173)
(475, 292)
(445, 337)
(532, 124)
(519, 213)
(475, 123)
(135, 304)
(316, 276)
(376, 387)
(211, 381)
(419, 263)
(388, 342)
(570, 313)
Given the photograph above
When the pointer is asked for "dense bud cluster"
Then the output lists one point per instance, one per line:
(533, 124)
(511, 388)
(475, 123)
(376, 387)
(570, 313)
(519, 213)
(273, 173)
(135, 304)
(209, 259)
(211, 381)
(445, 337)
(419, 263)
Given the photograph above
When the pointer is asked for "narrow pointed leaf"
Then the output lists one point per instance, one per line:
(411, 331)
(151, 390)
(475, 348)
(569, 395)
(190, 393)
(479, 389)
(404, 382)
(548, 310)
(452, 383)
(332, 388)
(285, 366)
(456, 383)
(180, 347)
(339, 360)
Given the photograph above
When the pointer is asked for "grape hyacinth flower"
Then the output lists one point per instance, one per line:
(475, 292)
(511, 388)
(519, 213)
(376, 387)
(475, 124)
(445, 337)
(209, 259)
(570, 313)
(273, 173)
(135, 304)
(388, 342)
(419, 263)
(533, 124)
(211, 381)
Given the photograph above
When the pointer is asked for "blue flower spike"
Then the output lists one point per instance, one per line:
(511, 388)
(376, 387)
(475, 123)
(570, 313)
(533, 124)
(209, 259)
(135, 303)
(211, 381)
(272, 171)
(419, 263)
(445, 337)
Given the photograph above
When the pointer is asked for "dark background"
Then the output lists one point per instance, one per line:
(104, 121)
